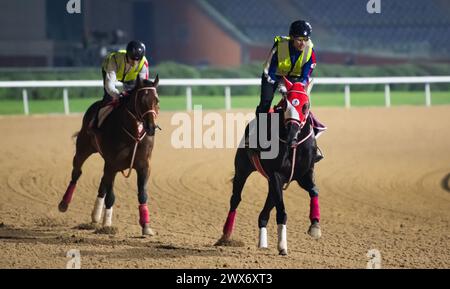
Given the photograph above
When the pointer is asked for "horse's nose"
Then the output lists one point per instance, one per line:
(294, 141)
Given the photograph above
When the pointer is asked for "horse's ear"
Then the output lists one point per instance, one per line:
(156, 81)
(139, 82)
(287, 83)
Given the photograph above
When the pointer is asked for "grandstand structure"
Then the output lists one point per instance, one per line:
(221, 33)
(403, 31)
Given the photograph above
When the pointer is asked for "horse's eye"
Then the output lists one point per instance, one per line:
(305, 108)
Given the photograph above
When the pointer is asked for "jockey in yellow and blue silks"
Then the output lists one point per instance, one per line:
(123, 66)
(292, 57)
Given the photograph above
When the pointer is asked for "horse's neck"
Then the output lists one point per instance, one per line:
(129, 104)
(120, 117)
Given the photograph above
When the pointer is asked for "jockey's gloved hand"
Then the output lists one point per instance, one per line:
(282, 89)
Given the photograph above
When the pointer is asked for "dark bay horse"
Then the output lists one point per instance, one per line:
(295, 161)
(123, 143)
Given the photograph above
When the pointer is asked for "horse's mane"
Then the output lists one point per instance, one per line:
(145, 83)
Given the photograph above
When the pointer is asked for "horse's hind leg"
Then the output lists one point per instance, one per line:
(243, 168)
(144, 219)
(83, 151)
(307, 183)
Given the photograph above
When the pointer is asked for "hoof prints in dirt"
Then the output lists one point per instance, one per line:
(49, 222)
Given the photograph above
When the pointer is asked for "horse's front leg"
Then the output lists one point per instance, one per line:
(143, 174)
(263, 219)
(276, 182)
(105, 191)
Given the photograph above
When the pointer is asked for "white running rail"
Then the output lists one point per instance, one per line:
(228, 82)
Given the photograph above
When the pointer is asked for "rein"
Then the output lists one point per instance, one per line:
(294, 150)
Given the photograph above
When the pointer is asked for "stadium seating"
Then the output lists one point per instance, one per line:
(413, 27)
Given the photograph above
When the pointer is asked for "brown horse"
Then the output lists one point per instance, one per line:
(124, 143)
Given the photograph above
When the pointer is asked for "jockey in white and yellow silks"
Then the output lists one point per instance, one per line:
(124, 66)
(292, 57)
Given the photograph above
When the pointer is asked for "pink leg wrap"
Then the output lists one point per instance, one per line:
(229, 224)
(143, 215)
(69, 193)
(314, 210)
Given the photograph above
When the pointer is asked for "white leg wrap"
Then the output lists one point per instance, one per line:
(262, 238)
(282, 239)
(97, 211)
(107, 219)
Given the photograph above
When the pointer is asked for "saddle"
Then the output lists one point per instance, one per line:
(101, 114)
(318, 127)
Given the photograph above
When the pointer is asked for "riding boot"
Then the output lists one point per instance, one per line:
(93, 127)
(318, 127)
(255, 133)
(251, 134)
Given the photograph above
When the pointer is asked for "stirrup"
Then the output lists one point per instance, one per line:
(319, 155)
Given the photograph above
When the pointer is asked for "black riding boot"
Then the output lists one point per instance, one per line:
(93, 127)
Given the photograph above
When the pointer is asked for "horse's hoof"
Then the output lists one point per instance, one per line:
(63, 206)
(147, 231)
(263, 246)
(282, 252)
(228, 242)
(225, 239)
(222, 241)
(314, 231)
(107, 230)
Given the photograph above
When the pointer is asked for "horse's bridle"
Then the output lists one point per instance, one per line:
(294, 147)
(139, 118)
(296, 121)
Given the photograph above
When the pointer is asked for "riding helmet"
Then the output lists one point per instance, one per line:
(135, 50)
(300, 28)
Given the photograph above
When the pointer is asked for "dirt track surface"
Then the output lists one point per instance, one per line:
(384, 185)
